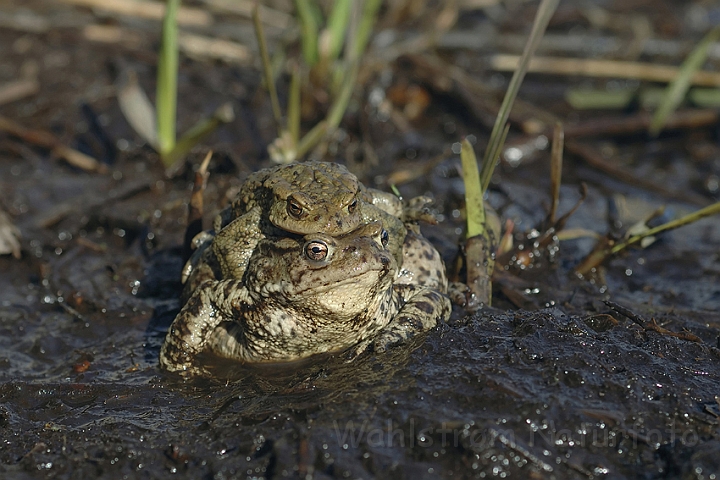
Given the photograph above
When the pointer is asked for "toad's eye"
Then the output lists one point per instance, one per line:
(384, 238)
(352, 207)
(294, 209)
(316, 250)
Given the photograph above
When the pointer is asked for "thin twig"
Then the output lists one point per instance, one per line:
(270, 16)
(556, 159)
(195, 207)
(46, 139)
(614, 125)
(652, 324)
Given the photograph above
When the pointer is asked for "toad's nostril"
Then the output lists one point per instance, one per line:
(385, 261)
(350, 249)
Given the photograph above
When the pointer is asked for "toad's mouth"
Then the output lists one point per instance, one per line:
(367, 278)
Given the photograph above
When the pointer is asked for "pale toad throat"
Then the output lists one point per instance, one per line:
(350, 286)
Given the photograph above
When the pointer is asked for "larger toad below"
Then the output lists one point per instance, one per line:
(304, 296)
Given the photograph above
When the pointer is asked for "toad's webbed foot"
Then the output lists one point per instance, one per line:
(416, 210)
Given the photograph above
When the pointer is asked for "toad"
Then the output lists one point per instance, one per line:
(306, 295)
(300, 198)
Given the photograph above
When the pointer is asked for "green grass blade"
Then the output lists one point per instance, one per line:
(705, 97)
(542, 18)
(267, 69)
(293, 115)
(336, 28)
(311, 139)
(597, 99)
(677, 89)
(224, 114)
(496, 150)
(474, 206)
(166, 95)
(364, 29)
(713, 209)
(334, 116)
(341, 102)
(308, 31)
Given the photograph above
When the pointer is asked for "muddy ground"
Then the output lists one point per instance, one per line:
(563, 387)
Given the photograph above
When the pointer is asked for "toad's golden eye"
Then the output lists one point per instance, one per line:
(316, 250)
(294, 209)
(353, 206)
(384, 238)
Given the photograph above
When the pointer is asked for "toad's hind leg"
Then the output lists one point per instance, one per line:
(211, 304)
(422, 311)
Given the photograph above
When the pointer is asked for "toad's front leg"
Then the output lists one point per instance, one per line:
(423, 309)
(412, 211)
(211, 304)
(235, 243)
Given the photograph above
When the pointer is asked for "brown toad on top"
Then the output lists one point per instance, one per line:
(300, 198)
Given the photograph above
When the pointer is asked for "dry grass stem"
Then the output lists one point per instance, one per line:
(602, 68)
(482, 101)
(195, 207)
(79, 159)
(614, 125)
(147, 9)
(18, 89)
(569, 44)
(197, 47)
(201, 47)
(112, 34)
(556, 158)
(269, 16)
(652, 325)
(47, 140)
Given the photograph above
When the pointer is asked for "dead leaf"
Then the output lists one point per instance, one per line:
(137, 109)
(9, 236)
